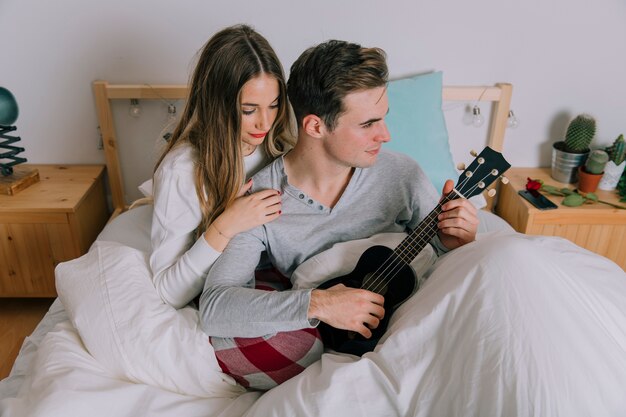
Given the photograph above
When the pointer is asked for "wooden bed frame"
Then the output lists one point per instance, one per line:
(499, 94)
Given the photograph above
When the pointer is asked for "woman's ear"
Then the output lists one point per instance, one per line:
(313, 126)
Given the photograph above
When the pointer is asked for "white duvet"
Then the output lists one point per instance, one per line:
(510, 325)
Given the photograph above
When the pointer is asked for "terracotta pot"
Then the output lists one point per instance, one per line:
(588, 183)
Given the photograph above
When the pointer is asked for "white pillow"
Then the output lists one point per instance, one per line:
(110, 299)
(146, 188)
(131, 228)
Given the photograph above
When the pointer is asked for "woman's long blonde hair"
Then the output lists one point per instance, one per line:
(211, 121)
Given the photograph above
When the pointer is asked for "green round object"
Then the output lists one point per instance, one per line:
(8, 108)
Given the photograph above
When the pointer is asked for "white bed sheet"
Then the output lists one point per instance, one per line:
(528, 338)
(460, 346)
(10, 386)
(131, 228)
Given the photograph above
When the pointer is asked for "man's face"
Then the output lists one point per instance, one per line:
(361, 130)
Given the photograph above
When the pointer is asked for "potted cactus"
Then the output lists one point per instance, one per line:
(571, 153)
(616, 164)
(590, 174)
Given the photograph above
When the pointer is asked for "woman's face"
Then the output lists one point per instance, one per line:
(259, 108)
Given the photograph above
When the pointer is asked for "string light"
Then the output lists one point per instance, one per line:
(473, 116)
(512, 121)
(135, 108)
(477, 119)
(170, 123)
(171, 106)
(171, 111)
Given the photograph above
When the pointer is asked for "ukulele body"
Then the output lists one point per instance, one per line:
(377, 263)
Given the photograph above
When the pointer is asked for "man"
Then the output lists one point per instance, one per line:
(337, 186)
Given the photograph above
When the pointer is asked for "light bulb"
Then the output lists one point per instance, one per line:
(477, 118)
(170, 123)
(512, 121)
(135, 108)
(171, 112)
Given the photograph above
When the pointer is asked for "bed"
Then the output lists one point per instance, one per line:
(463, 345)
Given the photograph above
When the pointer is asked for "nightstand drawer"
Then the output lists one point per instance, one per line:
(51, 221)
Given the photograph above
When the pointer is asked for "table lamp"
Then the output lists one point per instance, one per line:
(8, 115)
(10, 182)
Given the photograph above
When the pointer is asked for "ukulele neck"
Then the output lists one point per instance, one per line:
(417, 240)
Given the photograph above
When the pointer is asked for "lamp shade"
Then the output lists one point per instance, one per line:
(8, 107)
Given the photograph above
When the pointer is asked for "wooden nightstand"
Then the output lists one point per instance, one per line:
(51, 221)
(597, 227)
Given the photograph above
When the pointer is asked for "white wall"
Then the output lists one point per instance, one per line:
(563, 57)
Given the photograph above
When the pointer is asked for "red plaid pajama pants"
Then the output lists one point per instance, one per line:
(264, 362)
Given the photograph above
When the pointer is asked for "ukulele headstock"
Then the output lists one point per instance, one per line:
(488, 166)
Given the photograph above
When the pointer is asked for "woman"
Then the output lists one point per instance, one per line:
(236, 119)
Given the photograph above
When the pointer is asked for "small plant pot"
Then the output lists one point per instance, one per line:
(612, 174)
(588, 183)
(565, 164)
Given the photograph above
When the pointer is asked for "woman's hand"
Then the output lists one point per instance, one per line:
(248, 211)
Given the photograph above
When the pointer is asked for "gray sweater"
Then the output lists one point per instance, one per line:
(391, 196)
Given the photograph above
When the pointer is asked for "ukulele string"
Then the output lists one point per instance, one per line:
(397, 266)
(398, 260)
(407, 250)
(454, 194)
(401, 259)
(395, 260)
(410, 254)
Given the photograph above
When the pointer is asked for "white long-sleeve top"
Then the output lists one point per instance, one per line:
(180, 265)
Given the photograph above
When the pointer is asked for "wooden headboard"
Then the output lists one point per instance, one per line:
(499, 94)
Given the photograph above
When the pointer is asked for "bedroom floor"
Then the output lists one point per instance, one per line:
(18, 319)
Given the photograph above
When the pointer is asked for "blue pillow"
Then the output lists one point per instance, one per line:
(418, 127)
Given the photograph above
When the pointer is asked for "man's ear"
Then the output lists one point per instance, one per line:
(313, 126)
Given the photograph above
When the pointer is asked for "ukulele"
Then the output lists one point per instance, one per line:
(388, 272)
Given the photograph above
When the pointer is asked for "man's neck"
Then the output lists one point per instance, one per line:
(312, 172)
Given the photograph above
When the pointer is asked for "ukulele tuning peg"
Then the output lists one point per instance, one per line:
(481, 185)
(461, 166)
(491, 192)
(480, 160)
(504, 180)
(473, 153)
